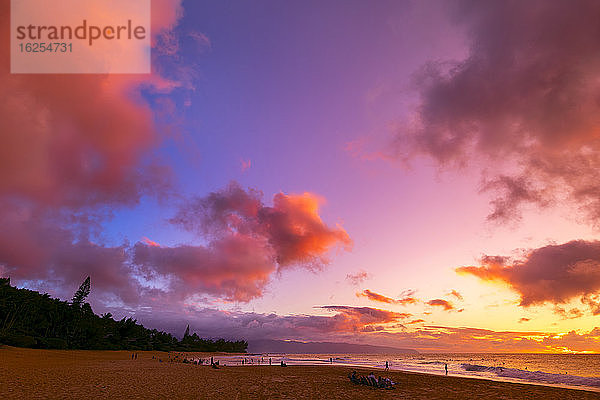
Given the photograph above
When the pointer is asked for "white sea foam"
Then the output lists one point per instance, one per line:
(535, 376)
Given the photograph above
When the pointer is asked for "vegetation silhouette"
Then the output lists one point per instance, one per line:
(32, 319)
(81, 293)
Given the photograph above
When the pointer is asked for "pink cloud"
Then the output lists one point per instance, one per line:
(78, 140)
(349, 319)
(357, 278)
(364, 325)
(247, 243)
(54, 259)
(234, 268)
(346, 322)
(292, 226)
(245, 164)
(74, 146)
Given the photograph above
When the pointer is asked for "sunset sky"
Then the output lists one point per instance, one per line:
(418, 174)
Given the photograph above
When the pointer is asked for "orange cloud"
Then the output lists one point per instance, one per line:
(297, 232)
(407, 300)
(384, 299)
(455, 294)
(446, 305)
(551, 274)
(568, 314)
(376, 297)
(150, 242)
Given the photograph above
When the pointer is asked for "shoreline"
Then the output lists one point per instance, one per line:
(234, 360)
(71, 374)
(509, 380)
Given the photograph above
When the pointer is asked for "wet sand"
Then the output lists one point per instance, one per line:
(73, 374)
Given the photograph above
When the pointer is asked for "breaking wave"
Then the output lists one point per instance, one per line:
(535, 376)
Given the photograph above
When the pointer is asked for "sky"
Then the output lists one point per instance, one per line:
(417, 174)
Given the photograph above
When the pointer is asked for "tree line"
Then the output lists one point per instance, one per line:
(31, 319)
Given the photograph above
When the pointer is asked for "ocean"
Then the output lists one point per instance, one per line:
(579, 371)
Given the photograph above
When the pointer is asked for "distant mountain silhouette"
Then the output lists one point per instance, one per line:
(290, 346)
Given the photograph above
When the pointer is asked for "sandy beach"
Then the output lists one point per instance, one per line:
(57, 374)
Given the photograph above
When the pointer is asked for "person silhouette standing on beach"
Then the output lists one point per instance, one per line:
(387, 366)
(446, 368)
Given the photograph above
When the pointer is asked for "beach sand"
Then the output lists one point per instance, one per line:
(74, 374)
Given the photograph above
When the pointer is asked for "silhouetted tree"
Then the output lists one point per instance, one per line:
(81, 293)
